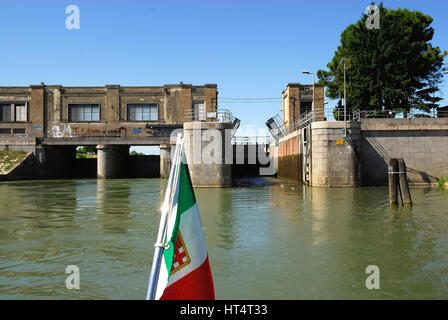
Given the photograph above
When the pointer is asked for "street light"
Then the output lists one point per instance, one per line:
(343, 61)
(307, 72)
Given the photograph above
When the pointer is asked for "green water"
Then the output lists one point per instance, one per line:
(271, 242)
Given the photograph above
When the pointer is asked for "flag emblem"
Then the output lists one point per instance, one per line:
(181, 257)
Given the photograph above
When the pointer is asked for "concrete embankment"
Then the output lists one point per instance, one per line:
(24, 167)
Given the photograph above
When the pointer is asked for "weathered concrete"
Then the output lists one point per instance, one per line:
(206, 145)
(48, 115)
(362, 158)
(298, 99)
(18, 144)
(165, 160)
(420, 142)
(335, 161)
(112, 161)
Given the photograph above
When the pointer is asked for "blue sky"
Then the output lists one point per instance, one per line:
(251, 49)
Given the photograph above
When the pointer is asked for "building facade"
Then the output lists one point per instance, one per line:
(297, 99)
(44, 112)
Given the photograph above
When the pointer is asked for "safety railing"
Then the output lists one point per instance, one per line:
(251, 140)
(357, 115)
(221, 115)
(304, 120)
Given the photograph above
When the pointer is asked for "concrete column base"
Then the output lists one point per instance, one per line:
(165, 160)
(209, 151)
(112, 161)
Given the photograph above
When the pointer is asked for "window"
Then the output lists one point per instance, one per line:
(84, 112)
(20, 112)
(199, 110)
(11, 112)
(18, 130)
(143, 112)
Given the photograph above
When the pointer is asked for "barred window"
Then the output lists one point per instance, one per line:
(84, 112)
(143, 112)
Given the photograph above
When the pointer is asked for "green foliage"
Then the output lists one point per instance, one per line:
(135, 153)
(442, 181)
(391, 68)
(87, 149)
(8, 159)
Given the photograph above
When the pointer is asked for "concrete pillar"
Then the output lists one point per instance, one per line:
(165, 160)
(112, 161)
(335, 160)
(209, 153)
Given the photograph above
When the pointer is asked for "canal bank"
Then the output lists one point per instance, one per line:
(267, 242)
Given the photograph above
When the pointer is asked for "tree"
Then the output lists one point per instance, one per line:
(394, 67)
(87, 149)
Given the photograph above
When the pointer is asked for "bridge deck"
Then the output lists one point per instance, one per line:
(86, 141)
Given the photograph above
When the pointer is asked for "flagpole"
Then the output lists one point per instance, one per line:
(166, 208)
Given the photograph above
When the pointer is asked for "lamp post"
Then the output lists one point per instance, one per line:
(344, 60)
(307, 72)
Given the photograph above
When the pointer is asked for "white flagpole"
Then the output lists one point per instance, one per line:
(166, 209)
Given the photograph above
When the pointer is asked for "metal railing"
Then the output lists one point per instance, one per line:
(197, 115)
(252, 140)
(305, 120)
(357, 115)
(225, 116)
(221, 115)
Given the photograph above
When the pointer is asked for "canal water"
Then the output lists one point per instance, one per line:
(267, 242)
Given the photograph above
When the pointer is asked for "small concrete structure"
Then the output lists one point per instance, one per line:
(335, 160)
(165, 160)
(208, 148)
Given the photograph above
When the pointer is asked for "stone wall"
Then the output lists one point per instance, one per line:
(422, 143)
(335, 161)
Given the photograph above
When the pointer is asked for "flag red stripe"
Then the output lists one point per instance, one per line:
(197, 285)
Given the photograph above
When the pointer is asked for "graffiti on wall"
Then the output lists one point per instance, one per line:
(87, 132)
(57, 132)
(76, 132)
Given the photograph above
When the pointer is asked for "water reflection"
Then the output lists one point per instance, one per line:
(271, 242)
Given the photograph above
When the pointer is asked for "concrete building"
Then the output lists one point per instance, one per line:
(297, 99)
(318, 153)
(52, 120)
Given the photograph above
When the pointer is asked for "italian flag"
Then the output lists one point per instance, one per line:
(185, 271)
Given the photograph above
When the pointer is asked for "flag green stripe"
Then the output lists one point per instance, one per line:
(185, 201)
(186, 198)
